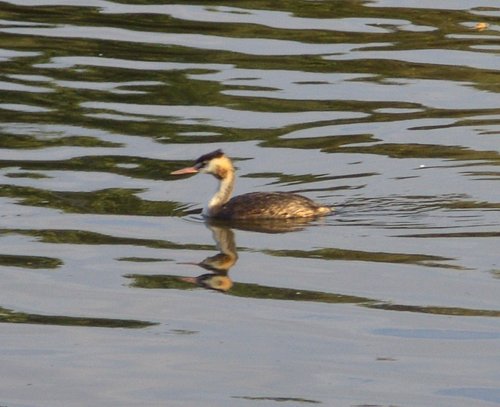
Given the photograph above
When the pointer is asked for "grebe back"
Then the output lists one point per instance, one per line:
(254, 205)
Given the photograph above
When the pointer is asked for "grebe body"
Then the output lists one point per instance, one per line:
(253, 205)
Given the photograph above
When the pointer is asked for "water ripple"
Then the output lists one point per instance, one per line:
(385, 110)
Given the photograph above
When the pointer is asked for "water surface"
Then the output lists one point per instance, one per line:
(116, 292)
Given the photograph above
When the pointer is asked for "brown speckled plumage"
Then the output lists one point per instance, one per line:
(254, 205)
(271, 205)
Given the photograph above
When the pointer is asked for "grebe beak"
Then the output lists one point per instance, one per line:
(187, 170)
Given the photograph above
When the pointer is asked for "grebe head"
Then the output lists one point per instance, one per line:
(215, 163)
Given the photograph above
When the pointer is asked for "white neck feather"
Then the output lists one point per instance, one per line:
(222, 195)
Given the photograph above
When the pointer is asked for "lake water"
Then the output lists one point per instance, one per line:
(115, 292)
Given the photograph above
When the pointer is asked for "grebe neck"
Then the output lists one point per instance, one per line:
(223, 194)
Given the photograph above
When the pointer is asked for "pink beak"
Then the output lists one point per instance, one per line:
(187, 170)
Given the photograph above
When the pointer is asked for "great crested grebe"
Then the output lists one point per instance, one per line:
(254, 205)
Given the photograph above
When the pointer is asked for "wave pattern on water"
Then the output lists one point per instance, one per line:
(386, 110)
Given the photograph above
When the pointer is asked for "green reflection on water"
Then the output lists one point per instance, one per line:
(424, 151)
(130, 166)
(29, 262)
(464, 312)
(358, 255)
(180, 88)
(247, 290)
(9, 316)
(33, 175)
(18, 141)
(257, 291)
(278, 399)
(91, 238)
(285, 179)
(114, 201)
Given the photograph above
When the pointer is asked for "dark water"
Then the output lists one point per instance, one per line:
(115, 292)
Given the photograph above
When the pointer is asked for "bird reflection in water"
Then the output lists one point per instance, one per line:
(219, 264)
(223, 235)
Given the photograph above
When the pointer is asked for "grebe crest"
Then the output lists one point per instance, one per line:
(215, 163)
(254, 205)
